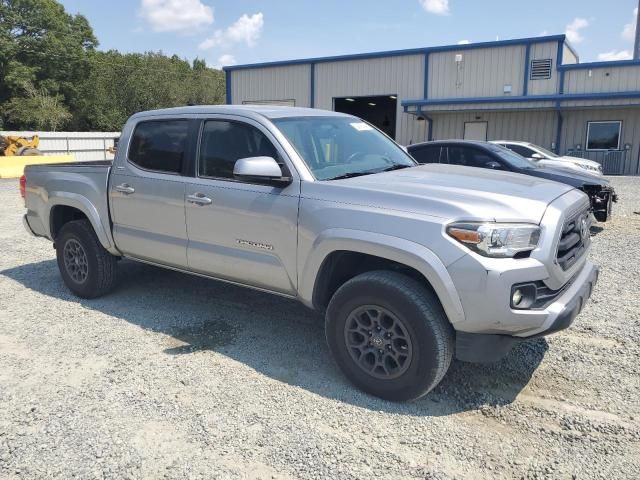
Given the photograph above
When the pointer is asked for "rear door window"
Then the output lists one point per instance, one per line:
(429, 154)
(469, 157)
(160, 145)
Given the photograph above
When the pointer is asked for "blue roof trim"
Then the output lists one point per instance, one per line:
(396, 53)
(529, 98)
(593, 65)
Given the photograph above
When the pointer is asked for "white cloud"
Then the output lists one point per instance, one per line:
(437, 7)
(629, 30)
(464, 42)
(226, 60)
(543, 33)
(573, 29)
(247, 29)
(176, 15)
(614, 55)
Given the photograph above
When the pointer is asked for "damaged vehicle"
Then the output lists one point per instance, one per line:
(410, 265)
(495, 157)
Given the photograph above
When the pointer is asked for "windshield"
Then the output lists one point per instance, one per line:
(511, 157)
(545, 152)
(342, 147)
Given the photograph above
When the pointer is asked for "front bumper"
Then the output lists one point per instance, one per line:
(479, 347)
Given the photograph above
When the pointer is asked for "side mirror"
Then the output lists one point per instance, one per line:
(260, 170)
(493, 165)
(537, 156)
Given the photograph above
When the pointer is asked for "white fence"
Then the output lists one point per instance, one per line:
(83, 145)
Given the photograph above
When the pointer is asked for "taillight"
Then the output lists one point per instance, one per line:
(23, 187)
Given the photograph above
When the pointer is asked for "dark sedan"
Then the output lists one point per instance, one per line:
(487, 155)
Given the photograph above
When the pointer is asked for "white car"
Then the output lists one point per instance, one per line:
(545, 157)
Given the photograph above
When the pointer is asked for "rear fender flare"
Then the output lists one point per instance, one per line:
(85, 206)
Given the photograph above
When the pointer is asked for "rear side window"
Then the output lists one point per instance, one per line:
(470, 157)
(426, 154)
(520, 150)
(160, 145)
(224, 143)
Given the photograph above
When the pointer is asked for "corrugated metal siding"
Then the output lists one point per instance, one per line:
(402, 76)
(83, 145)
(574, 130)
(614, 79)
(482, 72)
(534, 127)
(541, 51)
(291, 82)
(568, 57)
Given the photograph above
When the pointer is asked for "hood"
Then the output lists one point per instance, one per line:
(446, 191)
(568, 165)
(574, 178)
(586, 161)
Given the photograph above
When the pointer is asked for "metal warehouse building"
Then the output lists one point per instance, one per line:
(530, 89)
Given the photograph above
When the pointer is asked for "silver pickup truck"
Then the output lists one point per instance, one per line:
(410, 264)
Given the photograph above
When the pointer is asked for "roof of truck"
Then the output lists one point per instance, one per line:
(269, 111)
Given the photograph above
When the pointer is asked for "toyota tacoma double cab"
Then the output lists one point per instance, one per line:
(411, 265)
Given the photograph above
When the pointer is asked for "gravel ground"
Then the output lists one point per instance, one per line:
(173, 376)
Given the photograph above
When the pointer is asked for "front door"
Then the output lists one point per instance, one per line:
(239, 231)
(147, 193)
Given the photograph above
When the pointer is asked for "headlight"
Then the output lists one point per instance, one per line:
(501, 240)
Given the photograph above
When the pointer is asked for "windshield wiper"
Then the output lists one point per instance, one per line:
(394, 167)
(369, 172)
(350, 175)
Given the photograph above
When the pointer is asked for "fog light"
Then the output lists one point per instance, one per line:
(523, 296)
(516, 298)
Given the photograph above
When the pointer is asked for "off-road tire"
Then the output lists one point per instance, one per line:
(100, 274)
(418, 310)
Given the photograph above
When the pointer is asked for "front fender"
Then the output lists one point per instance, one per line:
(380, 245)
(85, 206)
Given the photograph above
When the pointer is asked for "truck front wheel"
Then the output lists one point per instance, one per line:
(87, 269)
(389, 335)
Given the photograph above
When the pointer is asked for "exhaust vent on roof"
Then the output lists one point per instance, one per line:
(541, 69)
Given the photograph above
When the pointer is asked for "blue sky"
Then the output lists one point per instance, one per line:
(248, 31)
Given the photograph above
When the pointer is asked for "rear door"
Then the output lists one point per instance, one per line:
(241, 231)
(147, 192)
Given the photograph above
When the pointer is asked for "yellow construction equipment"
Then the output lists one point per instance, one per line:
(13, 146)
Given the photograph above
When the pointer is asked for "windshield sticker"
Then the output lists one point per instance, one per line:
(361, 126)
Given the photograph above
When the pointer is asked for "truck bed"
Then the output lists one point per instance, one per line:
(82, 185)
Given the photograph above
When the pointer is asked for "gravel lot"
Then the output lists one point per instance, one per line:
(173, 376)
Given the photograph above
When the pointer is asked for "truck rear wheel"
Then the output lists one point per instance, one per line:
(87, 269)
(389, 335)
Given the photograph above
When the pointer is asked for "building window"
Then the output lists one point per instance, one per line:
(603, 135)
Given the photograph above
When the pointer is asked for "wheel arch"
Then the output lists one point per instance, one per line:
(65, 207)
(337, 254)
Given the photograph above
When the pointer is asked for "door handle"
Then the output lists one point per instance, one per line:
(124, 188)
(199, 199)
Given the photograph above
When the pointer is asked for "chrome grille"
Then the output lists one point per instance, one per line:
(574, 239)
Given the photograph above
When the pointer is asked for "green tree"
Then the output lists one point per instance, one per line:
(42, 45)
(38, 109)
